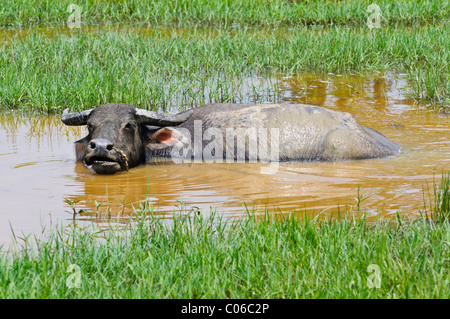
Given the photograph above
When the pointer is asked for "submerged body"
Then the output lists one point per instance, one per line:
(305, 133)
(122, 136)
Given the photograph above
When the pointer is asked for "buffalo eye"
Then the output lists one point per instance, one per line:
(90, 127)
(130, 127)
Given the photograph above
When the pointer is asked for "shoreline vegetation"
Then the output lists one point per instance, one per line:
(219, 44)
(159, 71)
(254, 256)
(24, 13)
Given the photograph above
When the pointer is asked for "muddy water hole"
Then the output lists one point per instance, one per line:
(41, 182)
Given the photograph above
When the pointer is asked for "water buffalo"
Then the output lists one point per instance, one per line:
(122, 136)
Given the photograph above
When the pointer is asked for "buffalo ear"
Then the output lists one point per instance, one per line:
(160, 142)
(80, 148)
(165, 136)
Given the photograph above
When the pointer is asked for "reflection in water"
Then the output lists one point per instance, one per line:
(8, 34)
(38, 170)
(55, 31)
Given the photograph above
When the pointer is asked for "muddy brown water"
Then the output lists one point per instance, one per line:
(39, 172)
(8, 34)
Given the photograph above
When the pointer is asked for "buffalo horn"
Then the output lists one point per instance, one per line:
(75, 119)
(160, 119)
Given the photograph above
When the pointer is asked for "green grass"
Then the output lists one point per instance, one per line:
(206, 257)
(221, 12)
(159, 71)
(439, 205)
(442, 198)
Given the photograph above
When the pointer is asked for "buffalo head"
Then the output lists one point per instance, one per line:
(119, 134)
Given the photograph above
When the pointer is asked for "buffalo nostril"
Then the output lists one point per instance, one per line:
(101, 145)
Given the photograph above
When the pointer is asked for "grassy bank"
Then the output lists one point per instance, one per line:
(212, 65)
(201, 257)
(219, 12)
(257, 256)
